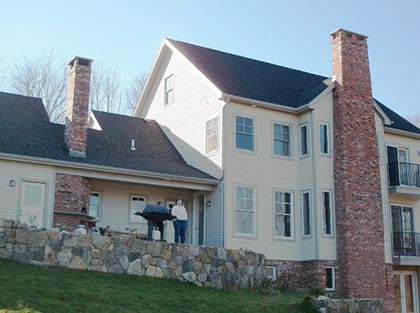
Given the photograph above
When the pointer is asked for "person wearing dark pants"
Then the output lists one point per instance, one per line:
(181, 221)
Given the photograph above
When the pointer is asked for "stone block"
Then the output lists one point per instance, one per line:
(124, 262)
(101, 242)
(77, 264)
(136, 268)
(116, 269)
(20, 248)
(189, 276)
(154, 271)
(64, 257)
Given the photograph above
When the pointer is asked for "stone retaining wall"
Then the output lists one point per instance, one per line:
(326, 305)
(203, 266)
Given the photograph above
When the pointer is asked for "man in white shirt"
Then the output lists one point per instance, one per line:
(181, 221)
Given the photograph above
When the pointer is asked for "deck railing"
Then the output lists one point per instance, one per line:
(407, 174)
(406, 244)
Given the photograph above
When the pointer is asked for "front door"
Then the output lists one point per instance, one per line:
(405, 288)
(32, 204)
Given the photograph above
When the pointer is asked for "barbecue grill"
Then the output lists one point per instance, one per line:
(155, 215)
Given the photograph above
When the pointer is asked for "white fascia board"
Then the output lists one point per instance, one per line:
(401, 132)
(148, 85)
(331, 85)
(92, 122)
(107, 169)
(193, 67)
(387, 120)
(258, 103)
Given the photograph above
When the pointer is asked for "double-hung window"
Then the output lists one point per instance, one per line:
(324, 144)
(95, 204)
(137, 203)
(169, 89)
(282, 214)
(282, 140)
(244, 133)
(244, 210)
(212, 135)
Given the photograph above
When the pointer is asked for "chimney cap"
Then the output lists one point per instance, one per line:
(342, 30)
(81, 61)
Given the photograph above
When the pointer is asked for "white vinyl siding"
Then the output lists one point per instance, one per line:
(137, 203)
(306, 214)
(169, 89)
(212, 135)
(244, 134)
(303, 141)
(244, 210)
(95, 201)
(327, 216)
(283, 219)
(324, 142)
(282, 140)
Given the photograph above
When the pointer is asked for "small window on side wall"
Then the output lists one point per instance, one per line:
(95, 204)
(169, 89)
(324, 144)
(271, 272)
(330, 278)
(212, 135)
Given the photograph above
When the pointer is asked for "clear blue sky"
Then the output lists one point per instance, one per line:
(127, 34)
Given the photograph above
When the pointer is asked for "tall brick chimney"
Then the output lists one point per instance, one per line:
(77, 106)
(362, 272)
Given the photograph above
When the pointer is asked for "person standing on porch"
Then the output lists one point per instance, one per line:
(181, 221)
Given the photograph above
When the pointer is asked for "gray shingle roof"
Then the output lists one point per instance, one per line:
(398, 122)
(252, 79)
(26, 130)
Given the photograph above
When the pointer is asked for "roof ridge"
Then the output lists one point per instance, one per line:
(244, 57)
(18, 95)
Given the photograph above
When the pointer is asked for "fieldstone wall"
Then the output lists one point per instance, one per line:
(203, 266)
(326, 305)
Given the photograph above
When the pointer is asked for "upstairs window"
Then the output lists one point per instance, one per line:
(212, 135)
(303, 140)
(169, 89)
(282, 140)
(244, 133)
(324, 144)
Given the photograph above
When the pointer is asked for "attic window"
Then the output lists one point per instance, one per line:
(169, 89)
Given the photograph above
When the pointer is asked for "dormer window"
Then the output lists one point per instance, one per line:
(169, 89)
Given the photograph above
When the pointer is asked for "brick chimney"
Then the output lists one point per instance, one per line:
(77, 106)
(362, 272)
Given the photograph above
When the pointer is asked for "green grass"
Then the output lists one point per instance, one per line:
(30, 289)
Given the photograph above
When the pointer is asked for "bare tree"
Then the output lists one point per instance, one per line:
(134, 91)
(43, 77)
(2, 79)
(105, 89)
(415, 119)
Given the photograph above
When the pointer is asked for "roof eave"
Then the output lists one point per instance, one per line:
(108, 169)
(401, 132)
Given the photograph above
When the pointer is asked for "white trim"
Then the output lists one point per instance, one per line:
(254, 211)
(273, 269)
(401, 132)
(92, 122)
(101, 168)
(415, 293)
(387, 120)
(166, 103)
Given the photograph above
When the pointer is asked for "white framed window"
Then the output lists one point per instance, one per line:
(283, 214)
(95, 204)
(330, 278)
(244, 210)
(306, 213)
(327, 216)
(282, 138)
(137, 203)
(303, 140)
(244, 133)
(169, 89)
(271, 272)
(212, 135)
(324, 138)
(32, 205)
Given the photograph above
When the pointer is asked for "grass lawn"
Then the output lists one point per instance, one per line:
(30, 289)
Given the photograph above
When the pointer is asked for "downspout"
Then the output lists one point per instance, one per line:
(315, 192)
(222, 214)
(220, 184)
